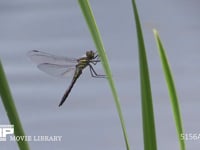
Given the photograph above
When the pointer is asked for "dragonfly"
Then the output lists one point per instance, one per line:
(61, 66)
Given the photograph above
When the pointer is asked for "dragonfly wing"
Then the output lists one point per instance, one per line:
(56, 70)
(54, 65)
(41, 57)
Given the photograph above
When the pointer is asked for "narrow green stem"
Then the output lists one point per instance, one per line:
(87, 12)
(11, 109)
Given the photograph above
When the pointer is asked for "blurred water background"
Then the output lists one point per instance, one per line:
(88, 120)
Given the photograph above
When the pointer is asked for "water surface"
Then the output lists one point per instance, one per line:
(88, 120)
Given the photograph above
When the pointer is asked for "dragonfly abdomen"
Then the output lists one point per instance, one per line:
(76, 76)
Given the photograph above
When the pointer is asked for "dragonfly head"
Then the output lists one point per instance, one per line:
(90, 54)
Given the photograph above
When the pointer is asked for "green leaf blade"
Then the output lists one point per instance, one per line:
(149, 133)
(171, 89)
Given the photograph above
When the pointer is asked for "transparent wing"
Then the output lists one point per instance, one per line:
(57, 70)
(54, 65)
(41, 57)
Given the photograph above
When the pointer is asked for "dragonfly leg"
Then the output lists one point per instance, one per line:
(94, 74)
(96, 55)
(96, 59)
(94, 62)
